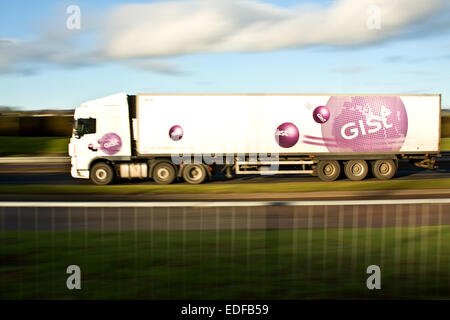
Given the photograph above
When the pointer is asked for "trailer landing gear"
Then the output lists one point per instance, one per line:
(429, 163)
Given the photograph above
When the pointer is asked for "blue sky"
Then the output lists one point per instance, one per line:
(402, 61)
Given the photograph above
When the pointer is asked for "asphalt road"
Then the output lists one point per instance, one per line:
(45, 174)
(214, 216)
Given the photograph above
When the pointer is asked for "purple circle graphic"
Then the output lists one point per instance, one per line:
(287, 135)
(321, 114)
(365, 124)
(176, 133)
(110, 143)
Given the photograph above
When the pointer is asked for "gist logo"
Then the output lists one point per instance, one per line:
(365, 124)
(110, 143)
(374, 123)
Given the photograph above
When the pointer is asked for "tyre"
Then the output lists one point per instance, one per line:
(164, 173)
(328, 170)
(384, 169)
(356, 170)
(102, 173)
(194, 173)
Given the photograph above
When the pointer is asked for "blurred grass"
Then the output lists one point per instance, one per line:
(227, 264)
(445, 144)
(228, 188)
(15, 146)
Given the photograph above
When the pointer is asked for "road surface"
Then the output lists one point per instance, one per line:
(121, 216)
(60, 174)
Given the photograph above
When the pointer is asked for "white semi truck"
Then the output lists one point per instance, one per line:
(169, 137)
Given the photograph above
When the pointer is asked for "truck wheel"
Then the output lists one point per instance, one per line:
(328, 170)
(194, 173)
(356, 170)
(102, 173)
(164, 173)
(384, 169)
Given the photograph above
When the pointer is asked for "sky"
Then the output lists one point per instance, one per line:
(220, 46)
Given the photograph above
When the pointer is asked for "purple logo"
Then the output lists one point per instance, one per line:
(110, 143)
(367, 124)
(287, 135)
(321, 114)
(176, 133)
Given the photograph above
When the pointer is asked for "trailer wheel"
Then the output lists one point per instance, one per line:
(328, 170)
(102, 173)
(384, 169)
(356, 170)
(194, 173)
(164, 173)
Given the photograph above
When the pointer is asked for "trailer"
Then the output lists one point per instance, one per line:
(190, 137)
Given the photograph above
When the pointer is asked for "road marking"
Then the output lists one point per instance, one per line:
(220, 203)
(42, 160)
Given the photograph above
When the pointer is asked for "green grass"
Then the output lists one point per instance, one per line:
(33, 145)
(229, 188)
(445, 144)
(226, 264)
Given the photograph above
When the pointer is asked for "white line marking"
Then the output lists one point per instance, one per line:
(220, 203)
(19, 160)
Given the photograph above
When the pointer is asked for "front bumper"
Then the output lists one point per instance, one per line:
(81, 174)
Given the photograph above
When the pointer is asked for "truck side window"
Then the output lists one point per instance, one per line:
(85, 126)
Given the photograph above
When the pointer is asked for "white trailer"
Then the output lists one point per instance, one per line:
(188, 136)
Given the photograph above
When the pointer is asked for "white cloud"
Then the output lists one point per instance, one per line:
(141, 35)
(199, 26)
(155, 66)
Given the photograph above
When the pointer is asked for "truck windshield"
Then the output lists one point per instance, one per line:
(84, 126)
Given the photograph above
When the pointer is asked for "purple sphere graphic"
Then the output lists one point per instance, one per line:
(176, 133)
(110, 143)
(365, 124)
(287, 135)
(321, 114)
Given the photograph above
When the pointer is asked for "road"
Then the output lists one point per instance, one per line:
(122, 216)
(59, 174)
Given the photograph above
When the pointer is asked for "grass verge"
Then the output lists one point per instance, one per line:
(11, 146)
(227, 264)
(445, 144)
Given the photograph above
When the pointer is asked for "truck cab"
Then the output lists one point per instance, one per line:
(101, 133)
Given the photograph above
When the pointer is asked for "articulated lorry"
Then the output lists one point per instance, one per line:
(191, 137)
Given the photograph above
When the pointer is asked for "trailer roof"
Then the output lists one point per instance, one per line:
(288, 94)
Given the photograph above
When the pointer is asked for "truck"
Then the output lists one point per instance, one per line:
(192, 137)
